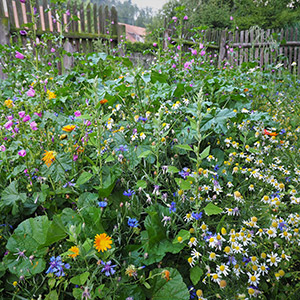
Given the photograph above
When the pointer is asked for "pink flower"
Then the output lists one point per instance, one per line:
(26, 118)
(2, 148)
(21, 114)
(178, 47)
(174, 19)
(19, 55)
(33, 126)
(68, 13)
(8, 124)
(38, 114)
(77, 113)
(194, 52)
(231, 18)
(31, 92)
(154, 44)
(22, 1)
(174, 66)
(185, 18)
(201, 46)
(202, 53)
(52, 50)
(22, 153)
(87, 123)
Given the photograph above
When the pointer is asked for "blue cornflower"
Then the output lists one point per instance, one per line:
(57, 266)
(197, 216)
(142, 119)
(129, 193)
(102, 204)
(133, 222)
(282, 131)
(108, 268)
(192, 292)
(216, 168)
(282, 225)
(122, 148)
(172, 207)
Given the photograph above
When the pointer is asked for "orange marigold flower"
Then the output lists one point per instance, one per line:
(75, 251)
(69, 128)
(49, 157)
(270, 133)
(102, 242)
(246, 90)
(103, 101)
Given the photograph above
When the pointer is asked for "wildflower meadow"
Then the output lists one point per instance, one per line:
(175, 181)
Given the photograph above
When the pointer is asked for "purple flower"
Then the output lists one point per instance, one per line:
(185, 18)
(122, 148)
(174, 66)
(19, 55)
(154, 44)
(21, 114)
(38, 114)
(26, 118)
(202, 53)
(2, 148)
(68, 12)
(49, 64)
(108, 268)
(52, 50)
(57, 266)
(194, 52)
(102, 204)
(22, 153)
(23, 32)
(33, 126)
(77, 113)
(31, 92)
(22, 1)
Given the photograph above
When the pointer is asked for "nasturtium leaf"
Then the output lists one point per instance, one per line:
(195, 274)
(212, 209)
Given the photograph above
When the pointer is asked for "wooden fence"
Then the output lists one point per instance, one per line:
(79, 25)
(255, 45)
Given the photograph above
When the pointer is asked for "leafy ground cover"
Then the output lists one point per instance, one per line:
(176, 182)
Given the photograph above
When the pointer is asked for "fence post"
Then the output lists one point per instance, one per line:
(4, 38)
(222, 50)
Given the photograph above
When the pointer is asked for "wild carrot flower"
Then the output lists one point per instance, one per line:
(69, 128)
(74, 250)
(49, 157)
(102, 242)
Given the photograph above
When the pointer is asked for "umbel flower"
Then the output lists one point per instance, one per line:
(69, 128)
(102, 242)
(49, 157)
(57, 266)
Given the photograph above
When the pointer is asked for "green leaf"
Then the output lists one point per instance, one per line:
(195, 274)
(183, 184)
(80, 279)
(52, 295)
(184, 147)
(162, 288)
(11, 195)
(172, 169)
(141, 184)
(184, 234)
(212, 209)
(205, 152)
(145, 154)
(83, 178)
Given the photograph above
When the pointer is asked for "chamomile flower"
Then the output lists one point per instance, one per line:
(273, 259)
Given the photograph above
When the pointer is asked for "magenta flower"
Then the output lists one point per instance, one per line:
(52, 50)
(33, 126)
(38, 114)
(22, 1)
(22, 153)
(68, 12)
(194, 52)
(201, 46)
(21, 114)
(154, 44)
(19, 55)
(26, 118)
(77, 113)
(185, 18)
(23, 32)
(174, 19)
(202, 53)
(231, 18)
(2, 148)
(31, 92)
(8, 124)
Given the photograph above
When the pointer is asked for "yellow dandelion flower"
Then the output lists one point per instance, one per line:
(75, 251)
(102, 242)
(49, 157)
